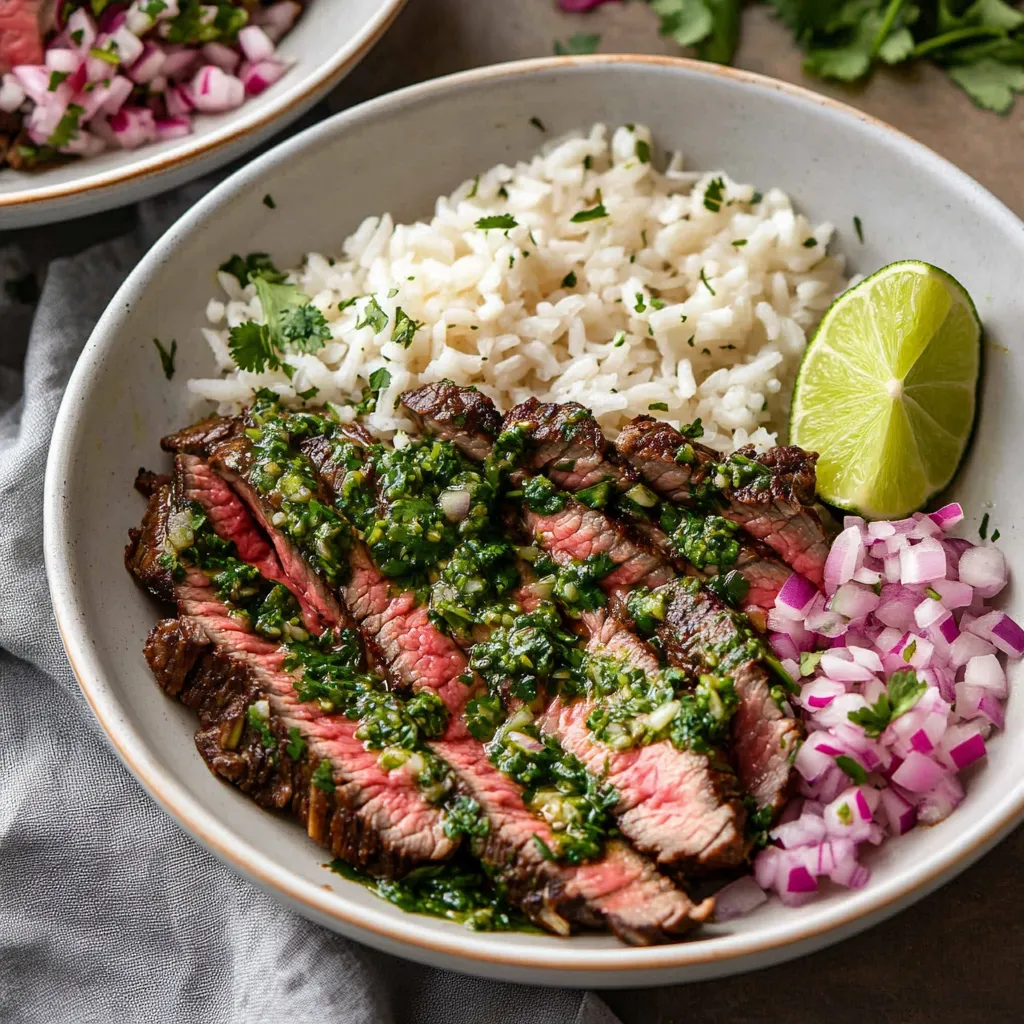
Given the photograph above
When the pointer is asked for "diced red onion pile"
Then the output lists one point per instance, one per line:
(117, 83)
(898, 595)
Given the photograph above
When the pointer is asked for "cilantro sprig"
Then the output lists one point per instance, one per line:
(903, 691)
(291, 324)
(979, 43)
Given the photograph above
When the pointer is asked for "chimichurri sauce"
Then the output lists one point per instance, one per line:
(332, 675)
(458, 890)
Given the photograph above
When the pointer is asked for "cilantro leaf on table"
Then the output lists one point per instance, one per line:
(990, 83)
(980, 43)
(711, 26)
(581, 42)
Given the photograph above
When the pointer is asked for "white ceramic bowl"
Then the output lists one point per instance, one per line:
(396, 154)
(330, 38)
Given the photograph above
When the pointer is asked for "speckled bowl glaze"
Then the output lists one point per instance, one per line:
(397, 154)
(328, 41)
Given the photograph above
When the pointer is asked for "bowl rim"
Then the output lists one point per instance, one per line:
(230, 132)
(814, 927)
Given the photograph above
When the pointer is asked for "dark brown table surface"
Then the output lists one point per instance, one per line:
(955, 956)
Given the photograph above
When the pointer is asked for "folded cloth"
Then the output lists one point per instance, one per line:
(109, 913)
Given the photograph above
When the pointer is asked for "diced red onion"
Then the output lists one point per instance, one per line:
(34, 79)
(854, 601)
(455, 504)
(800, 880)
(255, 44)
(180, 62)
(843, 669)
(173, 127)
(149, 65)
(12, 95)
(796, 594)
(992, 709)
(807, 830)
(953, 593)
(738, 899)
(129, 46)
(133, 127)
(967, 646)
(941, 801)
(178, 99)
(985, 671)
(918, 773)
(820, 693)
(221, 56)
(964, 745)
(922, 562)
(899, 814)
(1000, 630)
(983, 568)
(81, 22)
(214, 92)
(62, 60)
(845, 557)
(117, 94)
(258, 77)
(930, 613)
(277, 19)
(948, 516)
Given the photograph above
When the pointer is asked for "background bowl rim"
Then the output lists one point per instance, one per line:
(820, 924)
(232, 129)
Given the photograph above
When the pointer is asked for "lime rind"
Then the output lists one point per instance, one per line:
(886, 391)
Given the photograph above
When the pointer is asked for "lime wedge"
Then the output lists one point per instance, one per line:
(886, 390)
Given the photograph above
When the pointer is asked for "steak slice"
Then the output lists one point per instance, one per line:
(23, 24)
(622, 890)
(230, 453)
(212, 662)
(675, 805)
(774, 508)
(702, 635)
(461, 415)
(196, 482)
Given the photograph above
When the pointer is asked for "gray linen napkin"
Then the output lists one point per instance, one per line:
(108, 911)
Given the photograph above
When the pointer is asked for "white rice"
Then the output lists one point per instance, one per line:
(723, 343)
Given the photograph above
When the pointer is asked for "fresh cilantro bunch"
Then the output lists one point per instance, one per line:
(979, 43)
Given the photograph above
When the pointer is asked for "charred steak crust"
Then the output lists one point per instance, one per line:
(458, 414)
(201, 438)
(212, 662)
(779, 514)
(566, 442)
(190, 666)
(142, 556)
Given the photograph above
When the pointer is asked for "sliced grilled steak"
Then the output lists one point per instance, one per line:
(461, 415)
(212, 662)
(566, 444)
(759, 726)
(701, 634)
(196, 481)
(675, 804)
(774, 506)
(578, 533)
(23, 23)
(202, 437)
(230, 453)
(621, 891)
